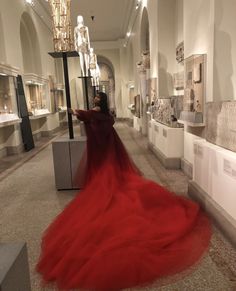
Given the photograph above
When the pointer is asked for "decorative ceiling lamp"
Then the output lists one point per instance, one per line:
(62, 36)
(30, 2)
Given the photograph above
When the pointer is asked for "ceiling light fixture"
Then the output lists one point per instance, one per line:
(138, 4)
(128, 34)
(30, 2)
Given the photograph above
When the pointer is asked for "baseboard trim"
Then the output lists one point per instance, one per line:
(3, 152)
(130, 122)
(11, 150)
(37, 136)
(122, 119)
(221, 218)
(187, 168)
(15, 150)
(168, 163)
(49, 133)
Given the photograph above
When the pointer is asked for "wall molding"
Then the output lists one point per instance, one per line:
(168, 163)
(187, 168)
(221, 218)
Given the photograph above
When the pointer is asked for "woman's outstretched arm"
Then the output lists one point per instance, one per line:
(73, 112)
(83, 115)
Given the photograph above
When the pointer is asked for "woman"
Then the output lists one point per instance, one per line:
(122, 230)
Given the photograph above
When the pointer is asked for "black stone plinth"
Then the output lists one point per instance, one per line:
(57, 55)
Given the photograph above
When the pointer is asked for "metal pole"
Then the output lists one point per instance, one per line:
(68, 101)
(86, 92)
(94, 91)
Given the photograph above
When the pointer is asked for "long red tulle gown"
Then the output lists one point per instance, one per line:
(121, 230)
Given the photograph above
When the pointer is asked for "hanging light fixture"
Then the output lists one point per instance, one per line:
(62, 33)
(30, 2)
(138, 4)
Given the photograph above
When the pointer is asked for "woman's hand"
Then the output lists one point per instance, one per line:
(71, 111)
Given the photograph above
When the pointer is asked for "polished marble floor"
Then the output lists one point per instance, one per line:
(29, 202)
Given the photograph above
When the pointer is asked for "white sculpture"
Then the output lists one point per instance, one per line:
(93, 66)
(97, 76)
(82, 44)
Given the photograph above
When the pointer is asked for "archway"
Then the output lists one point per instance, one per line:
(30, 46)
(107, 79)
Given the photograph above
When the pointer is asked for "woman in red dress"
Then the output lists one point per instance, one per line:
(121, 230)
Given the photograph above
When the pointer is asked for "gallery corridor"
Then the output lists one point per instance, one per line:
(29, 202)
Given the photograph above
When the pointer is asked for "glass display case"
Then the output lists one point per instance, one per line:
(59, 98)
(8, 101)
(37, 95)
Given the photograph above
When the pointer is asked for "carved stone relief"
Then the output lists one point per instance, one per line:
(221, 124)
(167, 110)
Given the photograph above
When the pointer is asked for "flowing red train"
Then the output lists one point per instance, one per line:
(121, 230)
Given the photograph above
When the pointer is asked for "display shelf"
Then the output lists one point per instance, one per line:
(37, 94)
(191, 124)
(58, 97)
(9, 119)
(62, 109)
(8, 104)
(43, 113)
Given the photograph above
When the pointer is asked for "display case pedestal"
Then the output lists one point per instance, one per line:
(14, 271)
(167, 143)
(67, 154)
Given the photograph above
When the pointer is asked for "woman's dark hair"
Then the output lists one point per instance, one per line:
(103, 102)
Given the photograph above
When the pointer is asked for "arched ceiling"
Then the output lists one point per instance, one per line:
(111, 17)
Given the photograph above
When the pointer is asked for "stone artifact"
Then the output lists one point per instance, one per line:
(140, 67)
(180, 52)
(221, 124)
(167, 110)
(194, 89)
(146, 59)
(178, 80)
